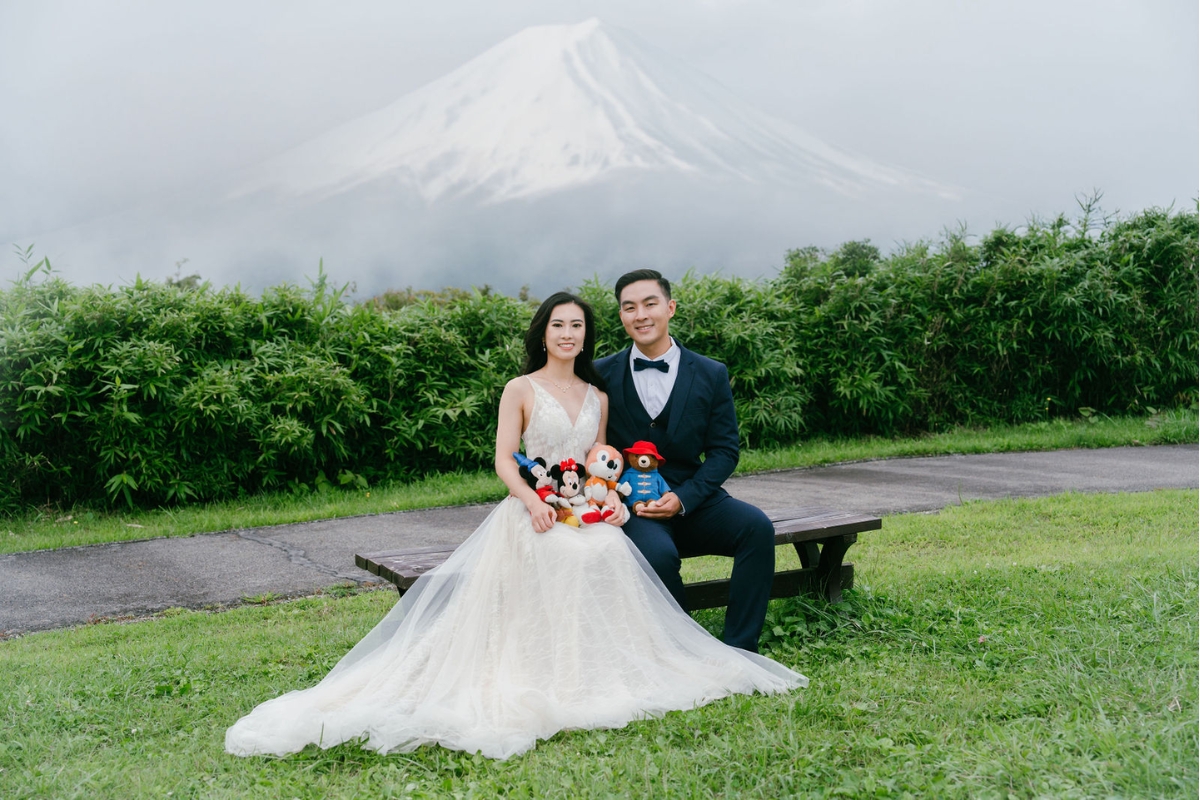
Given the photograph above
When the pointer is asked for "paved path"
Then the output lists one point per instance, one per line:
(56, 588)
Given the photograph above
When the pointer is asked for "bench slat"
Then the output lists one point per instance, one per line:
(811, 524)
(436, 555)
(815, 513)
(403, 567)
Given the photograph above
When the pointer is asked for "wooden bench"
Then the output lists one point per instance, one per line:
(821, 537)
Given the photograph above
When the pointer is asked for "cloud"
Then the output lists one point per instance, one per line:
(119, 106)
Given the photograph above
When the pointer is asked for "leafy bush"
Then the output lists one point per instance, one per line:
(159, 393)
(1017, 328)
(154, 393)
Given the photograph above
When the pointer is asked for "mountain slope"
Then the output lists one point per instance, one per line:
(560, 106)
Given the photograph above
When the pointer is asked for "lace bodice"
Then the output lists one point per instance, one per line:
(550, 433)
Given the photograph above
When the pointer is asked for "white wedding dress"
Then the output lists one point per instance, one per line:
(517, 636)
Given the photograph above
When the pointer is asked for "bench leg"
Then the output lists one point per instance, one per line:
(809, 553)
(829, 567)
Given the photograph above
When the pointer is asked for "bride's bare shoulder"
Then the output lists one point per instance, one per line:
(518, 388)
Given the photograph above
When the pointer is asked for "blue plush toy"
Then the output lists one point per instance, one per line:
(642, 475)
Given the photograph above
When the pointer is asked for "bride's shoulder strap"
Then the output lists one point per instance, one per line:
(526, 388)
(534, 388)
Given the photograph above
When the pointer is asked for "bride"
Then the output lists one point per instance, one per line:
(531, 626)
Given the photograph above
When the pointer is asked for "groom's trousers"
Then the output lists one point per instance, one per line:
(724, 527)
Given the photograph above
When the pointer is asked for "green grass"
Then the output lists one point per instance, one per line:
(49, 528)
(1023, 648)
(1172, 427)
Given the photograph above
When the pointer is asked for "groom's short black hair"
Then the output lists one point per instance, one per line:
(643, 275)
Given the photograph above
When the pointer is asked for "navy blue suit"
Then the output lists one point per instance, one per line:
(699, 419)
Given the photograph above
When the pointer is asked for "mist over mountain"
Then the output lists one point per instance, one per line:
(559, 106)
(561, 152)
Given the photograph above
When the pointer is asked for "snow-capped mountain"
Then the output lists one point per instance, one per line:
(562, 153)
(561, 106)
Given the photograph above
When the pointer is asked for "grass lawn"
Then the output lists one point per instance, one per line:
(50, 527)
(1020, 648)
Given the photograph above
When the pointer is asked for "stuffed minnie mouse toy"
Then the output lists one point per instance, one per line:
(569, 476)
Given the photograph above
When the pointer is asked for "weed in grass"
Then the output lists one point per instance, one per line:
(341, 589)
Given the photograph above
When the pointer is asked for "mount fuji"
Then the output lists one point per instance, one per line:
(562, 153)
(561, 106)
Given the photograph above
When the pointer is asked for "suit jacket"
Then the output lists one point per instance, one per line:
(701, 421)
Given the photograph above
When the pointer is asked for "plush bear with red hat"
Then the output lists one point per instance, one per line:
(642, 475)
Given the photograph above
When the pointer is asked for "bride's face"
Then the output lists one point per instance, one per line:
(565, 332)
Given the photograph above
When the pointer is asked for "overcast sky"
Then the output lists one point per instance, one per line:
(107, 104)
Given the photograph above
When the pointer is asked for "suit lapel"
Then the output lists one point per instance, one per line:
(681, 392)
(616, 382)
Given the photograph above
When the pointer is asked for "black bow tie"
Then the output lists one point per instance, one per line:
(640, 364)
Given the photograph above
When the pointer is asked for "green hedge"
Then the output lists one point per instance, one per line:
(151, 394)
(158, 393)
(1016, 328)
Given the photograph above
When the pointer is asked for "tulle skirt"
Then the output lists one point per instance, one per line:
(517, 636)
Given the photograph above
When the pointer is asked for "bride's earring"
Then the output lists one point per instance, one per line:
(543, 345)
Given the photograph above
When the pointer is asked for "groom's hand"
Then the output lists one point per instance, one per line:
(664, 507)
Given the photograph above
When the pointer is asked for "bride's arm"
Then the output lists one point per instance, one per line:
(603, 432)
(516, 398)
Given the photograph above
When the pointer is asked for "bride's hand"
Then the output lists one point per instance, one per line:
(619, 516)
(541, 515)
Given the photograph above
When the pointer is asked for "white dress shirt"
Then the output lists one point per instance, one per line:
(654, 387)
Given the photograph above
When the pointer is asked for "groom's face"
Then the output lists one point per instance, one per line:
(645, 313)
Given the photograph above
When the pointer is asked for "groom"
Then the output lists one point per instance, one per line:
(661, 393)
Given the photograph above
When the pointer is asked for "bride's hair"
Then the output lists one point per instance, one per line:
(535, 351)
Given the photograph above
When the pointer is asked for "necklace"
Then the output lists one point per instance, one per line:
(559, 386)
